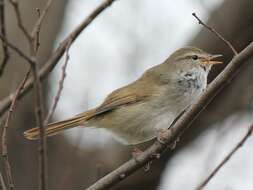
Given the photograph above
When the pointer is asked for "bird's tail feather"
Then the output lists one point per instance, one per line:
(54, 128)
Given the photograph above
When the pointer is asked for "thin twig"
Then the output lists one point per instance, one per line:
(216, 33)
(57, 54)
(5, 129)
(226, 159)
(39, 119)
(60, 87)
(36, 29)
(17, 50)
(39, 113)
(6, 54)
(3, 186)
(15, 5)
(183, 123)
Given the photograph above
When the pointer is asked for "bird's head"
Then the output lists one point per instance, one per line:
(194, 57)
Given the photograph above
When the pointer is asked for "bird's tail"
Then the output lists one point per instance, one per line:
(55, 128)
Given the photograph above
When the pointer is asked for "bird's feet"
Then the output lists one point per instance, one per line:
(136, 153)
(162, 135)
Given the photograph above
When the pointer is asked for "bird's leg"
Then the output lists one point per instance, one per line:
(162, 135)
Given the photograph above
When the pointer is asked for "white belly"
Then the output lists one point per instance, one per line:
(141, 122)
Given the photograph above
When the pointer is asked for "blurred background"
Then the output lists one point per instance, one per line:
(126, 39)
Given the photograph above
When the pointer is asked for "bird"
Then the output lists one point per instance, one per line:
(134, 113)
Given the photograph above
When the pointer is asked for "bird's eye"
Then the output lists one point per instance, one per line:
(195, 57)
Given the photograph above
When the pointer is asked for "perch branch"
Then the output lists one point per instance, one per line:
(221, 81)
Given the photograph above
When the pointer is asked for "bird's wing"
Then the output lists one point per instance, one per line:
(112, 102)
(120, 97)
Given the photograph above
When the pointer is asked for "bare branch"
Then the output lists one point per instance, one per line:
(3, 33)
(183, 123)
(53, 60)
(39, 118)
(17, 50)
(37, 26)
(4, 134)
(226, 159)
(3, 186)
(60, 87)
(217, 34)
(15, 5)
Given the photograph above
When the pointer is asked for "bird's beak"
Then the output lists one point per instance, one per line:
(209, 60)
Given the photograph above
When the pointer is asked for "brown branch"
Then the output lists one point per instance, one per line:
(4, 134)
(217, 34)
(17, 50)
(6, 54)
(36, 29)
(15, 5)
(226, 159)
(221, 81)
(57, 54)
(60, 87)
(34, 45)
(39, 119)
(3, 186)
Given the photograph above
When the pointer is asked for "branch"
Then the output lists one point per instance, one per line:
(4, 134)
(60, 87)
(17, 50)
(3, 186)
(15, 5)
(180, 126)
(217, 34)
(36, 29)
(6, 54)
(226, 159)
(57, 54)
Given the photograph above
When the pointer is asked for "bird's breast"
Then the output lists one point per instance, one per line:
(191, 83)
(185, 87)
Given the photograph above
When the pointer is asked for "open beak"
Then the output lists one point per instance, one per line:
(210, 60)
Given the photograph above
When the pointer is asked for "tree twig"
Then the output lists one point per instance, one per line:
(57, 54)
(15, 5)
(226, 159)
(17, 50)
(4, 134)
(3, 186)
(6, 54)
(60, 87)
(217, 34)
(180, 126)
(36, 29)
